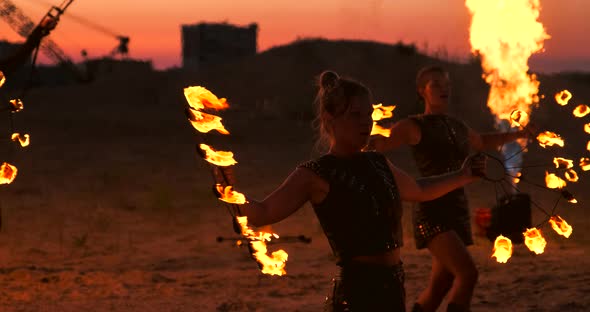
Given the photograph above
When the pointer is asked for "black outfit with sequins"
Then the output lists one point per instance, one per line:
(443, 147)
(361, 216)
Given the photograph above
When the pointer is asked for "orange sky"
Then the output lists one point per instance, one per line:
(154, 26)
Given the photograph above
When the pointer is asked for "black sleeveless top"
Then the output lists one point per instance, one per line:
(444, 144)
(361, 214)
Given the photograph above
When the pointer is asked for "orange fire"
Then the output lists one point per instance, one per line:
(587, 128)
(518, 118)
(581, 111)
(585, 163)
(381, 112)
(2, 78)
(274, 264)
(24, 140)
(505, 48)
(17, 105)
(560, 226)
(204, 122)
(517, 178)
(562, 163)
(228, 195)
(563, 97)
(549, 138)
(502, 249)
(554, 182)
(534, 240)
(7, 173)
(199, 98)
(218, 158)
(571, 175)
(588, 146)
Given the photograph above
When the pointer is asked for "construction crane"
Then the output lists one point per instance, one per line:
(122, 49)
(23, 25)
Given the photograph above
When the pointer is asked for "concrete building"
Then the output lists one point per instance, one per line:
(204, 44)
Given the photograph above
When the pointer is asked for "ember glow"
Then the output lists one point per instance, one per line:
(517, 178)
(272, 265)
(2, 78)
(585, 163)
(16, 105)
(199, 98)
(588, 146)
(562, 163)
(24, 140)
(554, 182)
(563, 97)
(218, 158)
(204, 122)
(560, 226)
(548, 138)
(228, 195)
(535, 241)
(7, 173)
(571, 175)
(381, 112)
(502, 249)
(581, 111)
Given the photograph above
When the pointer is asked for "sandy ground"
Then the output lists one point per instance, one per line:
(112, 211)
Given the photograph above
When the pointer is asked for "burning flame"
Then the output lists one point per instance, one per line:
(549, 138)
(569, 196)
(553, 181)
(518, 118)
(381, 112)
(563, 97)
(24, 140)
(587, 128)
(562, 163)
(588, 146)
(2, 78)
(571, 175)
(218, 158)
(228, 195)
(502, 249)
(581, 111)
(17, 105)
(585, 163)
(505, 48)
(199, 98)
(560, 226)
(517, 178)
(7, 173)
(534, 240)
(204, 122)
(274, 264)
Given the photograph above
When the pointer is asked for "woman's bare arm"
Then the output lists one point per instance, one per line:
(295, 191)
(425, 189)
(403, 132)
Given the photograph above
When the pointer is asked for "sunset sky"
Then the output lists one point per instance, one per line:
(154, 26)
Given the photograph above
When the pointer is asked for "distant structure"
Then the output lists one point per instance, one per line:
(7, 48)
(205, 44)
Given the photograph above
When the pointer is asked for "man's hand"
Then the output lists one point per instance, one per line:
(475, 166)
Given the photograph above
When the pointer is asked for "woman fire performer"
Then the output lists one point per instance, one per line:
(357, 197)
(440, 144)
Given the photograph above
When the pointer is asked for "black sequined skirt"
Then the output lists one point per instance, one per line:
(447, 213)
(366, 287)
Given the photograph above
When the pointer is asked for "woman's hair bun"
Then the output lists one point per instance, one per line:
(329, 79)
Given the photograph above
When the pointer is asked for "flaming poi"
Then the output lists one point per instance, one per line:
(581, 111)
(548, 138)
(2, 78)
(563, 97)
(535, 241)
(24, 140)
(7, 173)
(16, 105)
(199, 98)
(587, 128)
(560, 226)
(381, 112)
(554, 182)
(563, 163)
(585, 163)
(502, 249)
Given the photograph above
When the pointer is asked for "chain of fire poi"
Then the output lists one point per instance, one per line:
(7, 171)
(199, 99)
